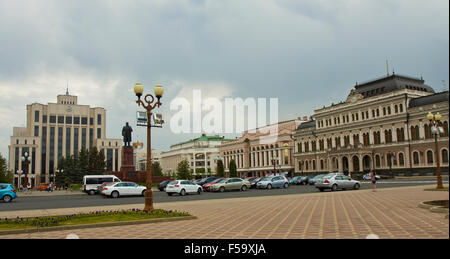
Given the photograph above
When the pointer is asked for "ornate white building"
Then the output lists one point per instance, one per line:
(382, 125)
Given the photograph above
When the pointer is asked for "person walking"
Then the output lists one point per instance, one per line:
(66, 184)
(373, 178)
(25, 189)
(30, 191)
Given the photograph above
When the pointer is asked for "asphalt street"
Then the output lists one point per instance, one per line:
(84, 200)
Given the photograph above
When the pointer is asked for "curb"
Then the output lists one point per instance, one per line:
(433, 208)
(97, 225)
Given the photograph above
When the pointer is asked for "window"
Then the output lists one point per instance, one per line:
(400, 135)
(416, 158)
(401, 159)
(36, 116)
(427, 129)
(69, 120)
(415, 135)
(36, 131)
(61, 119)
(401, 107)
(396, 108)
(44, 119)
(445, 156)
(99, 119)
(445, 127)
(84, 120)
(52, 119)
(430, 157)
(99, 133)
(76, 120)
(377, 161)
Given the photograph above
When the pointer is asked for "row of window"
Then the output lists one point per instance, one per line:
(60, 119)
(364, 115)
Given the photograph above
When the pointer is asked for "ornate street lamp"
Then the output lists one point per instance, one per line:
(274, 161)
(19, 173)
(26, 162)
(149, 105)
(436, 129)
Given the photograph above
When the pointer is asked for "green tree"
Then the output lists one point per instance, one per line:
(97, 163)
(5, 175)
(156, 169)
(233, 168)
(220, 171)
(59, 178)
(184, 170)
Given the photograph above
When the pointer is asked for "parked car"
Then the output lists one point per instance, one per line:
(162, 185)
(207, 180)
(43, 186)
(182, 187)
(313, 180)
(7, 192)
(304, 180)
(116, 190)
(367, 177)
(253, 182)
(228, 184)
(100, 188)
(336, 182)
(296, 180)
(207, 186)
(91, 182)
(273, 182)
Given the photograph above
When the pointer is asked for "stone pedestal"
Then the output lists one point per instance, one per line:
(127, 161)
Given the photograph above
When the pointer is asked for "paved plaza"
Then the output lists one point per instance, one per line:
(389, 213)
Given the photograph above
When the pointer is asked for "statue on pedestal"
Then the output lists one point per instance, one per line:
(126, 133)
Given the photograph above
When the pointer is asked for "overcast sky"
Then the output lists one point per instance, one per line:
(306, 53)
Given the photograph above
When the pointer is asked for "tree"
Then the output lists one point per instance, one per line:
(156, 169)
(184, 170)
(233, 168)
(220, 171)
(5, 175)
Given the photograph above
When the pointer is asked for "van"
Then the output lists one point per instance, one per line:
(92, 182)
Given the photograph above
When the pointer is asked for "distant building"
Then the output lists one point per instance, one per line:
(382, 125)
(140, 156)
(259, 153)
(58, 130)
(201, 153)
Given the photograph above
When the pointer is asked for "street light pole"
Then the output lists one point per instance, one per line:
(26, 160)
(435, 129)
(151, 104)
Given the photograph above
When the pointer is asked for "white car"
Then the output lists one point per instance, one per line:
(367, 177)
(182, 187)
(123, 189)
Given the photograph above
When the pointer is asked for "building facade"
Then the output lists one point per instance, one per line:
(58, 130)
(382, 125)
(201, 153)
(260, 152)
(140, 156)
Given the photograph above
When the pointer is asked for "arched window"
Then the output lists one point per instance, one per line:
(444, 156)
(377, 161)
(430, 157)
(428, 134)
(445, 126)
(321, 165)
(401, 159)
(416, 158)
(306, 165)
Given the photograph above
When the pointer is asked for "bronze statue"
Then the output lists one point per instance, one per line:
(126, 133)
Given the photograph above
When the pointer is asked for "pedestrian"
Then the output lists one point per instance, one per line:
(66, 184)
(24, 189)
(373, 178)
(350, 175)
(29, 188)
(51, 186)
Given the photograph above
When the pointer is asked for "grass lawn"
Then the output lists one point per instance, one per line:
(434, 189)
(87, 218)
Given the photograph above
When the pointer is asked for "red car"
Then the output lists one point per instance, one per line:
(207, 186)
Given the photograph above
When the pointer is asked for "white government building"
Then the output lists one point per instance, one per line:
(57, 130)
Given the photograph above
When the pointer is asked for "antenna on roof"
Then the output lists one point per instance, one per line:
(387, 67)
(67, 89)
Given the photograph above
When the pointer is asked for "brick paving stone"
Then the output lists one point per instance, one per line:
(389, 213)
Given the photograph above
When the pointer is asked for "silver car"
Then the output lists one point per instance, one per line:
(336, 182)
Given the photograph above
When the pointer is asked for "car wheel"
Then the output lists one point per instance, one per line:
(356, 187)
(222, 189)
(199, 191)
(170, 194)
(115, 194)
(321, 189)
(7, 198)
(91, 192)
(183, 192)
(334, 187)
(286, 186)
(269, 186)
(243, 188)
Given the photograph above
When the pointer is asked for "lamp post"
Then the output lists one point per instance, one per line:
(19, 172)
(149, 105)
(390, 154)
(26, 161)
(435, 120)
(274, 161)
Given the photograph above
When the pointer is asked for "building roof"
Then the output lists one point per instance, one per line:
(306, 125)
(391, 83)
(430, 99)
(204, 138)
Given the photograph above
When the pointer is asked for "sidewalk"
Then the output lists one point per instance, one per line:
(389, 213)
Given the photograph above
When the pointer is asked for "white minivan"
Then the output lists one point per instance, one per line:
(92, 182)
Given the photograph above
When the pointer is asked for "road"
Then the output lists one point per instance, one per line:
(84, 200)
